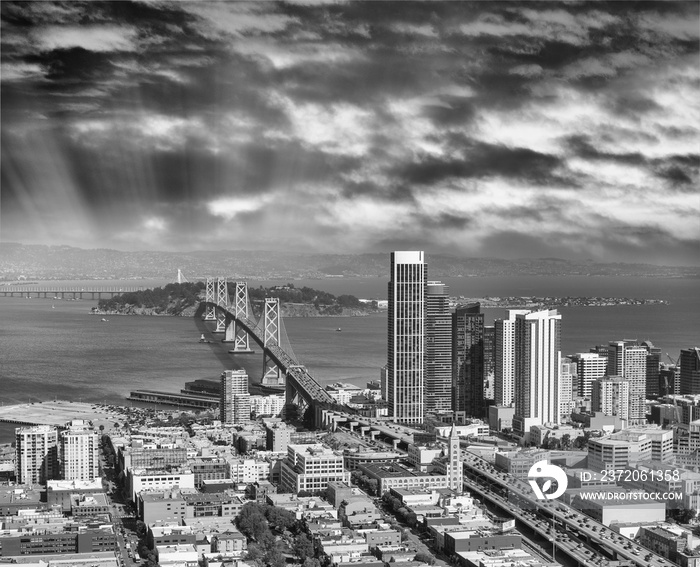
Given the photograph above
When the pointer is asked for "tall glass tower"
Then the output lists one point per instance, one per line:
(438, 348)
(406, 337)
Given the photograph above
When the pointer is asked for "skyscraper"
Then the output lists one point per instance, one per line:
(489, 364)
(36, 459)
(589, 366)
(629, 360)
(504, 343)
(468, 360)
(537, 365)
(438, 348)
(406, 337)
(652, 369)
(78, 452)
(690, 370)
(234, 406)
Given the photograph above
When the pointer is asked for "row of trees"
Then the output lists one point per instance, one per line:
(399, 510)
(370, 485)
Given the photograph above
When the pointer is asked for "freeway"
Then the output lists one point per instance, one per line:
(546, 517)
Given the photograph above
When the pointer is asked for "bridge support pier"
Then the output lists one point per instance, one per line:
(272, 376)
(234, 333)
(210, 297)
(221, 301)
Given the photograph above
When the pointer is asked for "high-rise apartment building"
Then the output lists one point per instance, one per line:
(504, 348)
(690, 370)
(234, 406)
(36, 458)
(489, 364)
(438, 348)
(406, 337)
(610, 395)
(537, 365)
(567, 377)
(78, 452)
(468, 360)
(629, 360)
(589, 366)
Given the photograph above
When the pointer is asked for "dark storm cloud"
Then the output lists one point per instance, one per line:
(482, 160)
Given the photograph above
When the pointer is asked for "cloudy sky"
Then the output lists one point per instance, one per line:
(472, 128)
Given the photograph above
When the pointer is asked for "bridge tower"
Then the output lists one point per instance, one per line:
(234, 332)
(271, 337)
(221, 301)
(209, 313)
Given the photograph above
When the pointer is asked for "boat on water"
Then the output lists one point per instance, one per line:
(202, 339)
(104, 320)
(338, 330)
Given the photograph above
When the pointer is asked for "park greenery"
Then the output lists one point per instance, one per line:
(172, 299)
(274, 533)
(326, 303)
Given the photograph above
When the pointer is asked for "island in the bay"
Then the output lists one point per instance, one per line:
(182, 299)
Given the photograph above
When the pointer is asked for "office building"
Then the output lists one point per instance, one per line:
(438, 348)
(79, 452)
(504, 347)
(689, 363)
(406, 337)
(589, 366)
(36, 450)
(629, 360)
(468, 360)
(537, 364)
(610, 395)
(309, 468)
(235, 399)
(652, 369)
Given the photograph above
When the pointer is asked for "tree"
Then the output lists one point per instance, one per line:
(303, 547)
(251, 521)
(372, 486)
(425, 558)
(566, 441)
(280, 518)
(311, 562)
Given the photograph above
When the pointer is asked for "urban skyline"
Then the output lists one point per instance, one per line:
(468, 128)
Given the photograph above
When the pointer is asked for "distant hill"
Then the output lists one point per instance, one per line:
(36, 262)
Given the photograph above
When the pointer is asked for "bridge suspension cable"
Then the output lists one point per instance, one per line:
(181, 277)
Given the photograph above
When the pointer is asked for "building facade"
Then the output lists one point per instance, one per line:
(406, 337)
(504, 348)
(438, 348)
(629, 360)
(234, 405)
(690, 370)
(79, 452)
(36, 459)
(537, 365)
(468, 360)
(589, 366)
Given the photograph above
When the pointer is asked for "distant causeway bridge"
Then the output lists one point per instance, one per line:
(97, 292)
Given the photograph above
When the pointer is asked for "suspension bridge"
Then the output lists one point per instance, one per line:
(233, 316)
